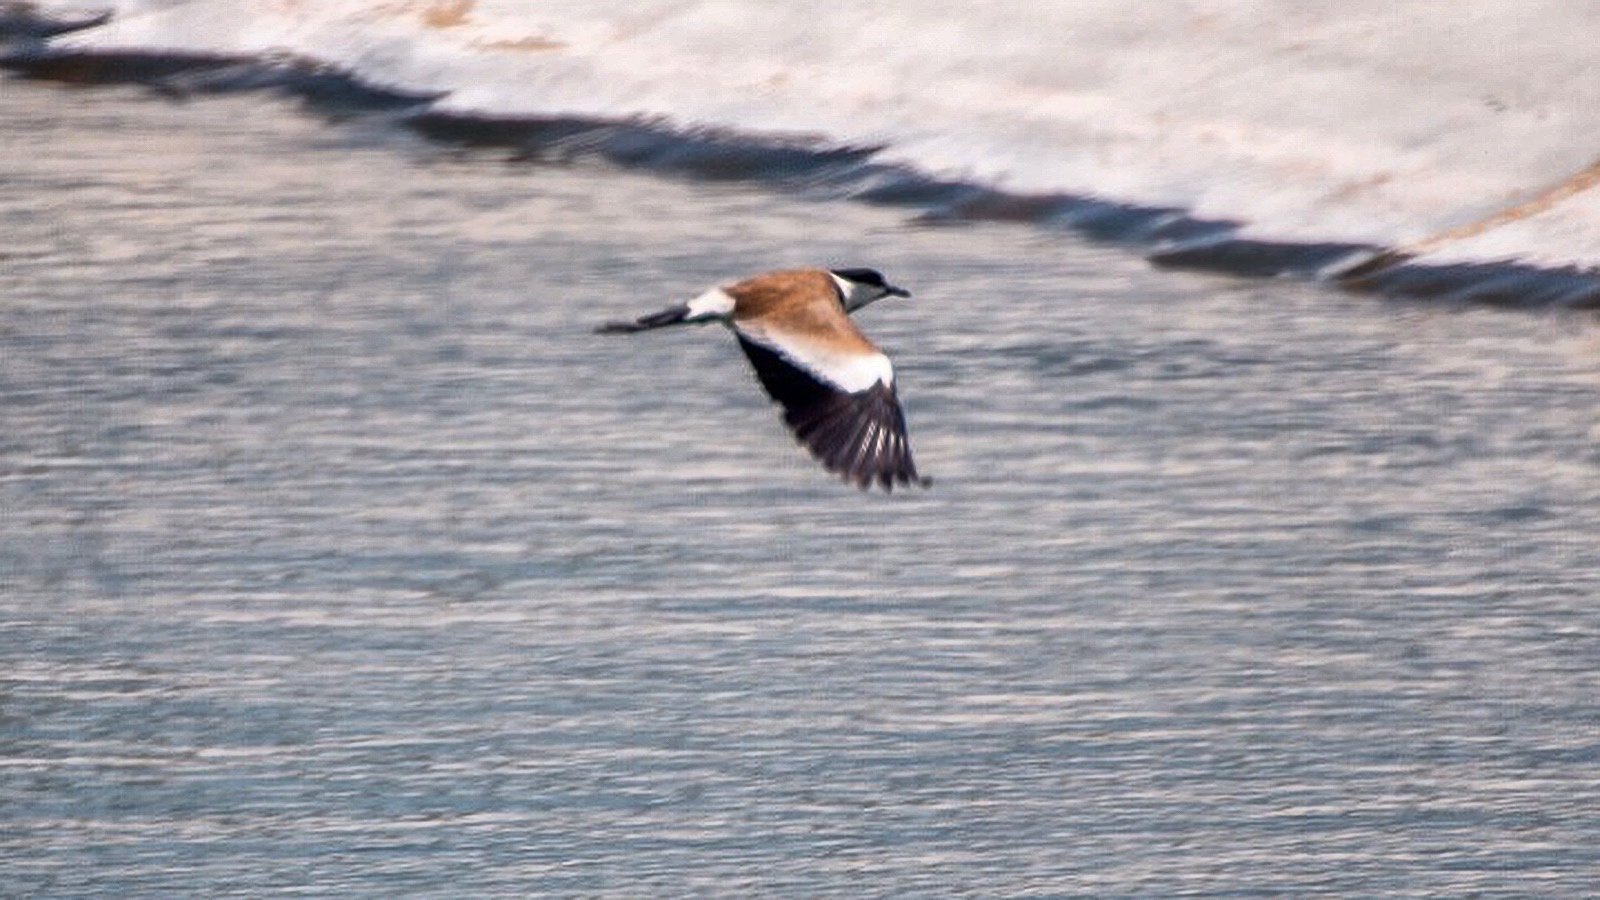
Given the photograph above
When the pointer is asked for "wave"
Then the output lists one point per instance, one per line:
(1400, 147)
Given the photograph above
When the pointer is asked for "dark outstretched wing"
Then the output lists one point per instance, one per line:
(861, 436)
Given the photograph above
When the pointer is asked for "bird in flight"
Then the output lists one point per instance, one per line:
(835, 386)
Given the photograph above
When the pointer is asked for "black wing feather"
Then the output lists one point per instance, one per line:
(860, 436)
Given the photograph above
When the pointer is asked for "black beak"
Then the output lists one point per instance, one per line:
(892, 291)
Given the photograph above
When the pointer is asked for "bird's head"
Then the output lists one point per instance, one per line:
(859, 287)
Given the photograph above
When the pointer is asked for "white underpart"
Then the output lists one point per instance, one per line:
(849, 371)
(713, 304)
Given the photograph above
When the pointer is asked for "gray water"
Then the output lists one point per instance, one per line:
(339, 558)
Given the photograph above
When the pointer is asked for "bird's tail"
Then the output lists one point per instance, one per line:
(672, 315)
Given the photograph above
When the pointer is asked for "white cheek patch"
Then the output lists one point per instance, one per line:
(855, 295)
(845, 288)
(713, 304)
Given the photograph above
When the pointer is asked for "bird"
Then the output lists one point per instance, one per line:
(836, 388)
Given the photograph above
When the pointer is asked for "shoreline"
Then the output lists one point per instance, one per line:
(1165, 236)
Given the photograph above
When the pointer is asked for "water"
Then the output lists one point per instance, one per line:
(339, 558)
(1459, 132)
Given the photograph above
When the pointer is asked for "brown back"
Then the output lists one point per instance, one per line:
(803, 303)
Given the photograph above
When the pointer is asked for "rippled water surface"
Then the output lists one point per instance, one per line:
(339, 558)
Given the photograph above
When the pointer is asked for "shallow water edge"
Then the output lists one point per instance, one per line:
(804, 164)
